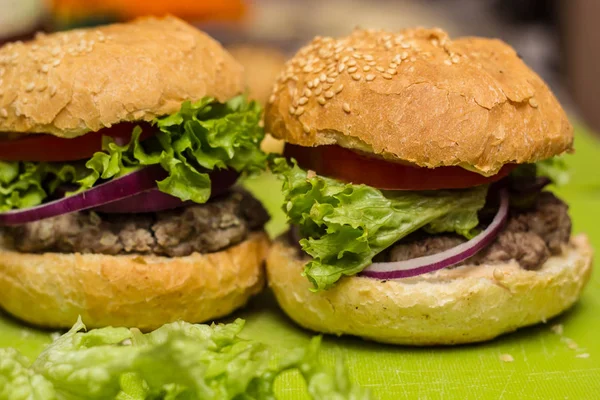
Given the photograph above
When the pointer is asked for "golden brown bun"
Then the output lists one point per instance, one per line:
(417, 96)
(146, 292)
(74, 82)
(461, 305)
(261, 67)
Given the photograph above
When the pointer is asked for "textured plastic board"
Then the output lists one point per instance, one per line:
(546, 365)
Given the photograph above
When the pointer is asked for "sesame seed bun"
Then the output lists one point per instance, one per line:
(141, 291)
(451, 306)
(70, 83)
(417, 96)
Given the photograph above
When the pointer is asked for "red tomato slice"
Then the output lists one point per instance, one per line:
(348, 166)
(50, 148)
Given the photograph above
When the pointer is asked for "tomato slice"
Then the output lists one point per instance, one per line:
(50, 148)
(349, 166)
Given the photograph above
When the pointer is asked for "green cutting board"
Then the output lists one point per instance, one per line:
(546, 365)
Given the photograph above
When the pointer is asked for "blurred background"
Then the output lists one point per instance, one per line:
(558, 39)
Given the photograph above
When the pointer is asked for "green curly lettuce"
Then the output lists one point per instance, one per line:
(554, 168)
(344, 225)
(199, 138)
(177, 361)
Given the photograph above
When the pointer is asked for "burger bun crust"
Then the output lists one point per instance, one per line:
(451, 306)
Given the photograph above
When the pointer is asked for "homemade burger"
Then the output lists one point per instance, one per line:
(119, 149)
(413, 185)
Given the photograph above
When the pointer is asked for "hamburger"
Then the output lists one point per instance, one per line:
(414, 187)
(119, 150)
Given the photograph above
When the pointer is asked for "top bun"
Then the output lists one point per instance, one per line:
(70, 83)
(416, 96)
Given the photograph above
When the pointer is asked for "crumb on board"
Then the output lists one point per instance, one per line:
(558, 329)
(55, 335)
(506, 358)
(583, 355)
(570, 343)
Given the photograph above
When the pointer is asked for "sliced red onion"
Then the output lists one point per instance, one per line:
(116, 189)
(448, 258)
(154, 200)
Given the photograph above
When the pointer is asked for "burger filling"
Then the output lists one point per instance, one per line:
(148, 188)
(355, 228)
(529, 237)
(204, 228)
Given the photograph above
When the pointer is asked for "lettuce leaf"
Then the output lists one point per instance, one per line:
(177, 361)
(201, 137)
(554, 168)
(346, 225)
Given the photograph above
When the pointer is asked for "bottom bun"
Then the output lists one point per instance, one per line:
(459, 305)
(140, 291)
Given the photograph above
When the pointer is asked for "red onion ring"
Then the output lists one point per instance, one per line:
(116, 189)
(154, 200)
(422, 265)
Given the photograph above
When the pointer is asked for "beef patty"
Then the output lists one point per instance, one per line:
(529, 237)
(204, 228)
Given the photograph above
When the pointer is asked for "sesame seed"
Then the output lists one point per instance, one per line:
(3, 112)
(345, 59)
(305, 128)
(56, 63)
(307, 92)
(351, 63)
(413, 59)
(341, 68)
(393, 65)
(272, 99)
(25, 101)
(366, 68)
(316, 82)
(55, 51)
(388, 45)
(299, 111)
(318, 91)
(352, 69)
(330, 80)
(302, 100)
(435, 42)
(387, 76)
(455, 59)
(368, 57)
(308, 68)
(328, 94)
(447, 62)
(357, 55)
(292, 110)
(372, 63)
(322, 77)
(380, 69)
(309, 84)
(321, 100)
(405, 46)
(346, 107)
(533, 102)
(52, 91)
(356, 77)
(370, 77)
(339, 88)
(30, 86)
